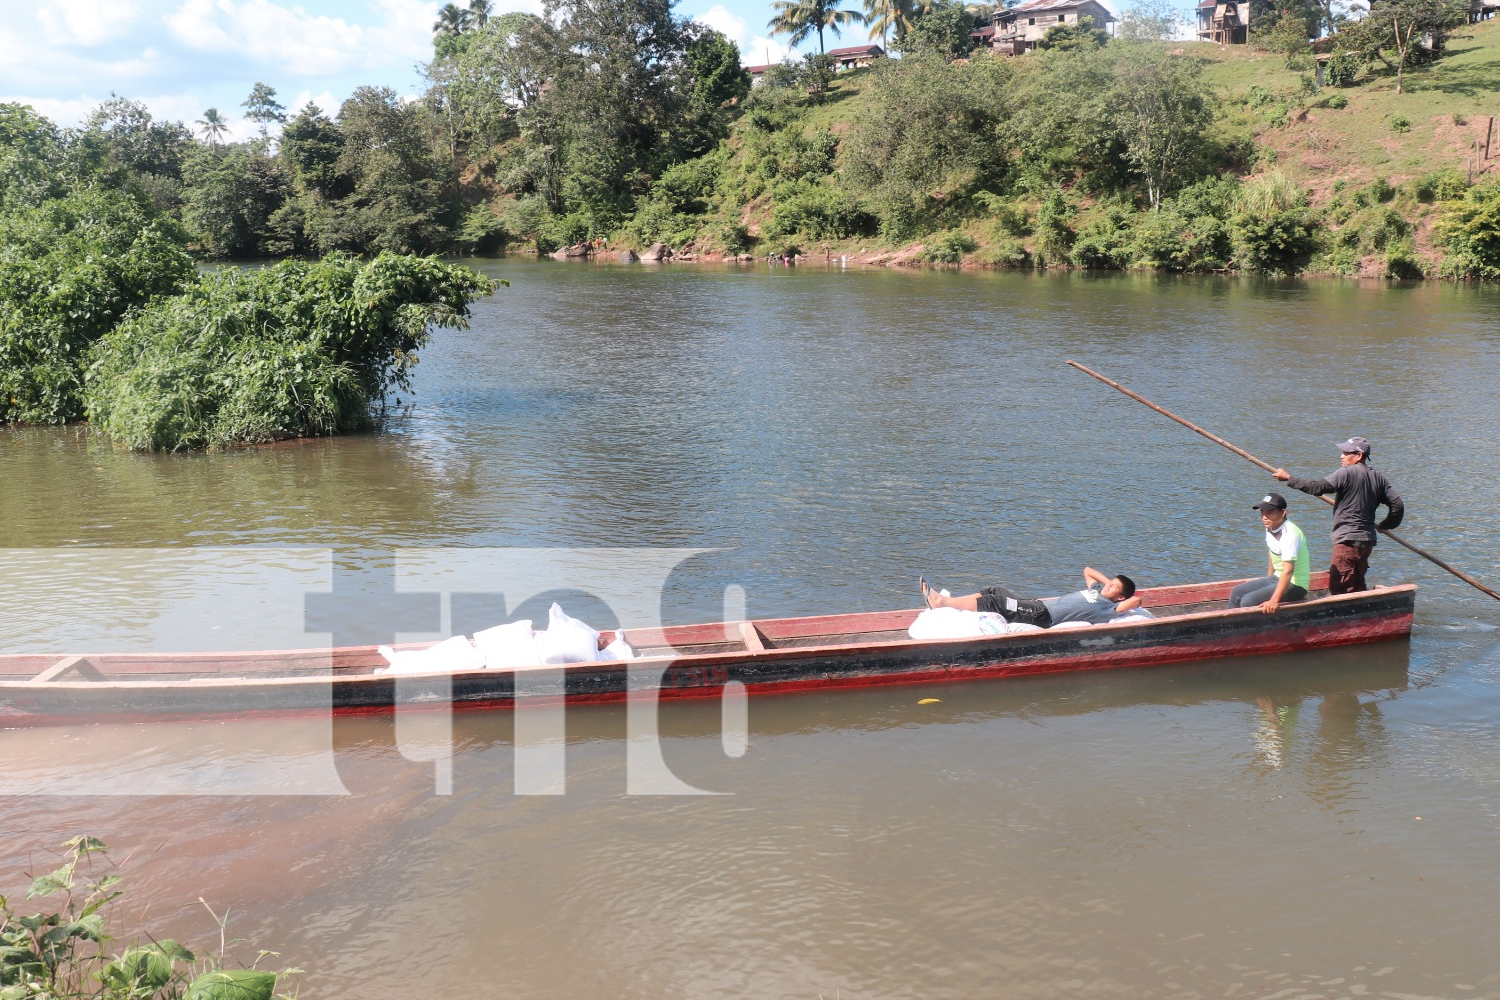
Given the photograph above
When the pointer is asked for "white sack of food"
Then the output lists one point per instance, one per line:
(568, 640)
(448, 656)
(506, 647)
(955, 623)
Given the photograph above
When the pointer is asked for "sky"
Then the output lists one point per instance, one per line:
(181, 57)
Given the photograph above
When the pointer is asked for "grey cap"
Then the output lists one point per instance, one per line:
(1355, 444)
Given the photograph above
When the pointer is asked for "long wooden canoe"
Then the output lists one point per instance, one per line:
(768, 655)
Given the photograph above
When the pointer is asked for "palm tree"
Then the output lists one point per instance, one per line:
(452, 20)
(479, 12)
(797, 19)
(886, 16)
(212, 127)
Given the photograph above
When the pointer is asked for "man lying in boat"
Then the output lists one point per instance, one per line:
(1099, 603)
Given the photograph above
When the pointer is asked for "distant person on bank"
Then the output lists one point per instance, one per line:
(1358, 490)
(1288, 562)
(1098, 604)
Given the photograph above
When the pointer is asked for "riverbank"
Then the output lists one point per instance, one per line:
(1286, 175)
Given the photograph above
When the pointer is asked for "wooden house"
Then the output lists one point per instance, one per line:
(1226, 22)
(855, 56)
(1019, 28)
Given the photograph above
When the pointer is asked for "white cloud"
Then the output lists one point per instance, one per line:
(754, 49)
(294, 41)
(85, 22)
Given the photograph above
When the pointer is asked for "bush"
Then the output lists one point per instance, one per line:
(1054, 237)
(1400, 123)
(1340, 71)
(1103, 243)
(1180, 239)
(1440, 185)
(1401, 260)
(817, 212)
(482, 231)
(949, 247)
(69, 270)
(1282, 242)
(1470, 234)
(1381, 191)
(298, 349)
(1337, 102)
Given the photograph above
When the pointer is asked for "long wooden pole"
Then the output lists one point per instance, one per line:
(1466, 578)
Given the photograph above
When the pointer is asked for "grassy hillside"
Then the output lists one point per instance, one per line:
(1348, 150)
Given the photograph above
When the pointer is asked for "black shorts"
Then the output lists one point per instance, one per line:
(1014, 608)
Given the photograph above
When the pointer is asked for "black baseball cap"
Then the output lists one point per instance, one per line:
(1271, 501)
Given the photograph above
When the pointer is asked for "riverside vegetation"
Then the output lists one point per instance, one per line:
(65, 953)
(626, 122)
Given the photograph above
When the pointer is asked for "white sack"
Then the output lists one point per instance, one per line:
(954, 623)
(568, 640)
(448, 656)
(508, 646)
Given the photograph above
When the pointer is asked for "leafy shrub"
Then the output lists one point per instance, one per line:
(1337, 102)
(1400, 123)
(297, 349)
(1440, 185)
(1179, 239)
(1381, 191)
(656, 222)
(689, 186)
(1054, 237)
(1340, 71)
(1280, 242)
(949, 247)
(49, 956)
(818, 212)
(482, 231)
(1006, 251)
(734, 237)
(1401, 260)
(1104, 242)
(69, 270)
(1470, 234)
(1272, 231)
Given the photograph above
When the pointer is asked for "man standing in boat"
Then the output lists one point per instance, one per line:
(1099, 603)
(1358, 491)
(1289, 571)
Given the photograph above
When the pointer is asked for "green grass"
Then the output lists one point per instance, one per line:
(1356, 144)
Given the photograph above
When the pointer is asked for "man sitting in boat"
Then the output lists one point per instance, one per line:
(1289, 564)
(1098, 603)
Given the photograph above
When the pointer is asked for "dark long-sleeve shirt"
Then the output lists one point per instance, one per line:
(1358, 490)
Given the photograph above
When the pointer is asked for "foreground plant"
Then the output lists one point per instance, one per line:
(62, 954)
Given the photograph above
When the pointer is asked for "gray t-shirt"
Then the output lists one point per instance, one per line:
(1082, 606)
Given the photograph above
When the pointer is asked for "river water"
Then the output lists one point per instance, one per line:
(1325, 825)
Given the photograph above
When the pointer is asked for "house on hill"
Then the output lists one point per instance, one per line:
(1018, 29)
(855, 56)
(1226, 22)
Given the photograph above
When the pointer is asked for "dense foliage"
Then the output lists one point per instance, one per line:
(295, 350)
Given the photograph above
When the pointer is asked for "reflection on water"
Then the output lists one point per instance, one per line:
(1234, 828)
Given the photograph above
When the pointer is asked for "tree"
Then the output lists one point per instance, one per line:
(262, 107)
(799, 19)
(212, 127)
(945, 29)
(1410, 29)
(30, 155)
(1150, 21)
(887, 16)
(1162, 110)
(232, 192)
(451, 20)
(479, 13)
(1081, 34)
(127, 139)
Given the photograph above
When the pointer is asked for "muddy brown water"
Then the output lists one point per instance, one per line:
(1325, 825)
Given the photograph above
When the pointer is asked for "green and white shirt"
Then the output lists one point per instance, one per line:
(1289, 544)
